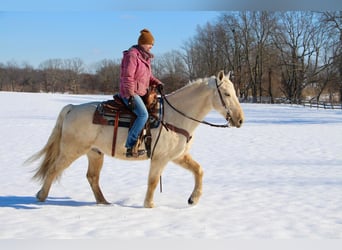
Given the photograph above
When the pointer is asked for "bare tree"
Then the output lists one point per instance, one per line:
(28, 82)
(2, 76)
(262, 25)
(51, 74)
(108, 73)
(12, 75)
(171, 70)
(207, 61)
(231, 48)
(299, 40)
(73, 68)
(333, 19)
(189, 59)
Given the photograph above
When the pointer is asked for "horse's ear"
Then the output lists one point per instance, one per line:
(220, 75)
(228, 75)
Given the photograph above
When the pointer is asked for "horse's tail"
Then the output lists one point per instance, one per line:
(51, 149)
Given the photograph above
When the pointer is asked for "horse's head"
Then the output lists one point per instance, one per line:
(225, 100)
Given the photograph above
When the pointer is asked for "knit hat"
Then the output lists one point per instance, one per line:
(145, 37)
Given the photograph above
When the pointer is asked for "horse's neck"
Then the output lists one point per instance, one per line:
(192, 100)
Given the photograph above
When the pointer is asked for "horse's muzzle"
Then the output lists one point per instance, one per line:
(233, 123)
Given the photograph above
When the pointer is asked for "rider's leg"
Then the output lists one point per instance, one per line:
(139, 123)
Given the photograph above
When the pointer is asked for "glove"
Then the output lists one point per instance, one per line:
(160, 87)
(131, 103)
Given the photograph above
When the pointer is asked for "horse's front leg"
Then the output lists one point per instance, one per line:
(187, 162)
(156, 168)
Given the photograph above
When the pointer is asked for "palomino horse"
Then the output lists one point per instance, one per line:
(74, 135)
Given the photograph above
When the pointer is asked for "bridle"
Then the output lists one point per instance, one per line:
(228, 116)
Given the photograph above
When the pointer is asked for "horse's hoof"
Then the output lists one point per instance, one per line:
(149, 205)
(39, 198)
(190, 201)
(103, 202)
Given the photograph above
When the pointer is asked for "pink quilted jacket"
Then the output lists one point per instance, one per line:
(136, 74)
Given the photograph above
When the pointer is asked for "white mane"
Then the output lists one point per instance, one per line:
(210, 81)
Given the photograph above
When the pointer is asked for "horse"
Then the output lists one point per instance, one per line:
(75, 135)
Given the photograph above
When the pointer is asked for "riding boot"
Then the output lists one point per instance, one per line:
(135, 151)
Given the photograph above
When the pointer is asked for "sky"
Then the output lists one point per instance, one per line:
(34, 36)
(37, 30)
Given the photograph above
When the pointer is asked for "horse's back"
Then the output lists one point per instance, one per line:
(78, 124)
(80, 131)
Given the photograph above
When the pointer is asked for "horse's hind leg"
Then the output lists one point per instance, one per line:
(95, 159)
(61, 163)
(187, 162)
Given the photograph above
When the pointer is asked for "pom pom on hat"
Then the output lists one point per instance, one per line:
(145, 37)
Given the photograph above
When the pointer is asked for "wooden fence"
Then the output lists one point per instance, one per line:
(322, 105)
(311, 104)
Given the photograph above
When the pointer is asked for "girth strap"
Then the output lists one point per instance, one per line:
(115, 131)
(178, 130)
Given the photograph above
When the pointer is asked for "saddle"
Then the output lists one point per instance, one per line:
(115, 113)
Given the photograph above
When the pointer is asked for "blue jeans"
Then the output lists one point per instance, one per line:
(139, 123)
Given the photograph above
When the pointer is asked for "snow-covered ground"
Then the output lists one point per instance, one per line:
(279, 176)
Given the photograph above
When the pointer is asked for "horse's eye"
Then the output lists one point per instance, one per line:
(227, 94)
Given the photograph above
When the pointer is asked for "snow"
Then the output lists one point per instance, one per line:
(277, 177)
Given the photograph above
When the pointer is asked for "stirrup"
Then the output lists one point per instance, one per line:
(130, 153)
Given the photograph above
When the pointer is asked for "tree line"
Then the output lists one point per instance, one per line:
(291, 55)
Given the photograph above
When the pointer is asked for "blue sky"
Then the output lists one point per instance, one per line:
(35, 36)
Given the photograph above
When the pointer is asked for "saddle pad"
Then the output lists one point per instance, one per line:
(105, 114)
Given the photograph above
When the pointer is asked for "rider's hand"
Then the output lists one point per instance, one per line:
(131, 103)
(160, 87)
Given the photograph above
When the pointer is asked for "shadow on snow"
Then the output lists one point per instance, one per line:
(30, 202)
